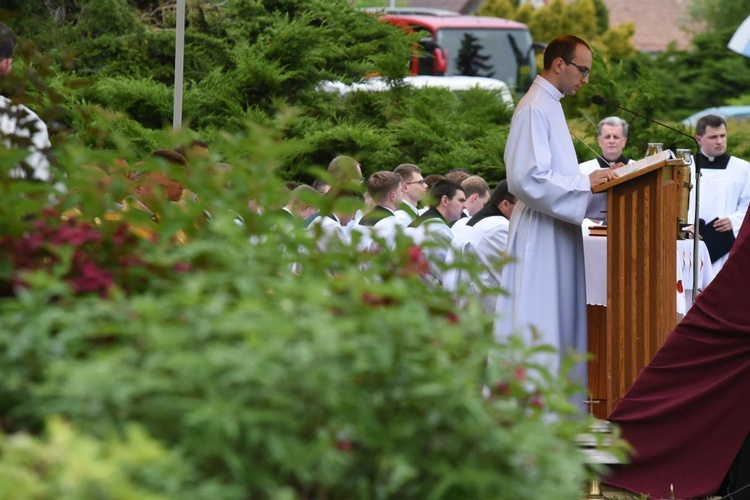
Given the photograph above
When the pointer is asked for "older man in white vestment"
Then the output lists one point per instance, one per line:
(546, 282)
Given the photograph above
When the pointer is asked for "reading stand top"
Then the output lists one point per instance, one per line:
(641, 167)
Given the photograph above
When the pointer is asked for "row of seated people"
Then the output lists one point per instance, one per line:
(445, 215)
(448, 216)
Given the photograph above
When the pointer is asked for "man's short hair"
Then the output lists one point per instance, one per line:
(7, 45)
(381, 183)
(172, 157)
(407, 171)
(431, 179)
(300, 196)
(714, 121)
(458, 175)
(613, 121)
(501, 193)
(563, 46)
(344, 168)
(474, 184)
(320, 186)
(443, 187)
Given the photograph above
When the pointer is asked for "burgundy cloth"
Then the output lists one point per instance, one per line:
(688, 412)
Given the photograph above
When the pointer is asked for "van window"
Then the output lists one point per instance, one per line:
(506, 55)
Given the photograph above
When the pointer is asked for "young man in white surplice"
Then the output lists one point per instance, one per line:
(725, 181)
(547, 290)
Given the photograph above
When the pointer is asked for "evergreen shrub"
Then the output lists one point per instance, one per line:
(251, 360)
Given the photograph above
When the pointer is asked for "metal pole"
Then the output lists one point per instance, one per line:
(696, 227)
(179, 64)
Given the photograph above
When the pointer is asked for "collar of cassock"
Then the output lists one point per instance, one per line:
(489, 210)
(718, 163)
(622, 159)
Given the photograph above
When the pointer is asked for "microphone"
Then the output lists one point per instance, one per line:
(601, 101)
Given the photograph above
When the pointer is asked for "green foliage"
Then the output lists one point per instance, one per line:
(498, 8)
(433, 127)
(148, 54)
(146, 101)
(588, 19)
(602, 16)
(110, 17)
(719, 15)
(68, 464)
(706, 77)
(345, 374)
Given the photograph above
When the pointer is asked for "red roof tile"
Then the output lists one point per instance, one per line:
(657, 22)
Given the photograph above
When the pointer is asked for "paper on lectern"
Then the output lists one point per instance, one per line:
(644, 163)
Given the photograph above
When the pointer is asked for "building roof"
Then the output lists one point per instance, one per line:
(657, 22)
(455, 5)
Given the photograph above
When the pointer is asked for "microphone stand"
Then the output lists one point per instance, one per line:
(601, 101)
(696, 225)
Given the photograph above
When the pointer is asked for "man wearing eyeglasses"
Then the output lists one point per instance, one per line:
(413, 190)
(546, 280)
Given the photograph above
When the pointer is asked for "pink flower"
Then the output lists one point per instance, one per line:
(92, 279)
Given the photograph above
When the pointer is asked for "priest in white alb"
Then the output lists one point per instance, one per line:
(546, 282)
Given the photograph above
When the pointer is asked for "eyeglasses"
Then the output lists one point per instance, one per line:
(420, 182)
(583, 69)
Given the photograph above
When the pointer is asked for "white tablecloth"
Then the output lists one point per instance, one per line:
(595, 254)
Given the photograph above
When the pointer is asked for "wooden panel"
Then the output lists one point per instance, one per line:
(641, 275)
(597, 367)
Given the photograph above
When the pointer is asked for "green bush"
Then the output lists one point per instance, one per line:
(266, 366)
(68, 464)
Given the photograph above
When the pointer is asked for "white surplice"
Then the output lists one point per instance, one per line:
(20, 125)
(489, 239)
(546, 282)
(724, 193)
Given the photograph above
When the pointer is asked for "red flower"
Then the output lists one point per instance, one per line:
(372, 300)
(537, 401)
(520, 373)
(92, 279)
(121, 235)
(502, 388)
(181, 267)
(416, 262)
(344, 445)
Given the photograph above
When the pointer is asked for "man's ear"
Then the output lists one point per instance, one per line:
(558, 64)
(444, 200)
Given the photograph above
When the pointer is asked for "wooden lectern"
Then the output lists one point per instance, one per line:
(642, 223)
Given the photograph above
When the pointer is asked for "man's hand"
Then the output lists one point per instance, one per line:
(601, 176)
(723, 224)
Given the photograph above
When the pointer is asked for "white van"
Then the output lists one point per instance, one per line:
(453, 83)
